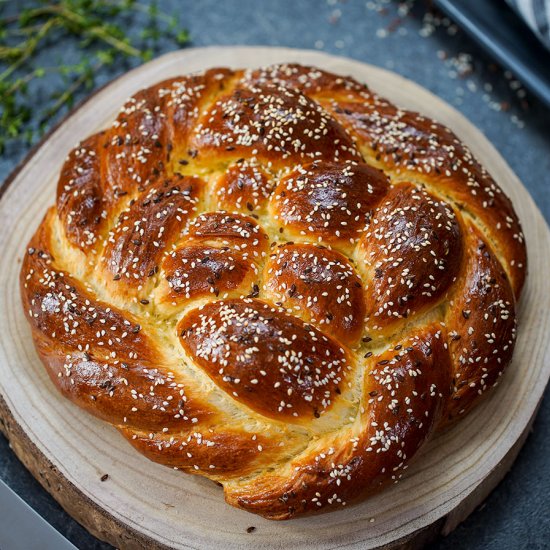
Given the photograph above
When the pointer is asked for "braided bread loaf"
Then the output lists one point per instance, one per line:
(275, 279)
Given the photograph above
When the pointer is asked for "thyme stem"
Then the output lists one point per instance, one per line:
(102, 32)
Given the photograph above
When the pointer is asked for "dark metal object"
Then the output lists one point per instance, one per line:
(499, 30)
(21, 528)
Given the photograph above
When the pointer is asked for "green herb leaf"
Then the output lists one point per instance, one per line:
(101, 39)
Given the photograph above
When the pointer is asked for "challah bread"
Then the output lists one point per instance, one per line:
(276, 279)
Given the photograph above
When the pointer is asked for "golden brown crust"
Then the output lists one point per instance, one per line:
(321, 285)
(244, 187)
(275, 279)
(412, 147)
(403, 393)
(219, 256)
(412, 253)
(481, 321)
(100, 357)
(276, 124)
(328, 202)
(150, 224)
(266, 358)
(80, 201)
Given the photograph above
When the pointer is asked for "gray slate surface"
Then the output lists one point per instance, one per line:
(516, 513)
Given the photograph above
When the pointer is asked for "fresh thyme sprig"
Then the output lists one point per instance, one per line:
(100, 42)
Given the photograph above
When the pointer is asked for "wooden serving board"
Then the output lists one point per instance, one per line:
(145, 505)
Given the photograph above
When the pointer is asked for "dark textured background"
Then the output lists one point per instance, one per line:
(516, 515)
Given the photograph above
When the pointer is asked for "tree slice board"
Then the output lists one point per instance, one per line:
(145, 505)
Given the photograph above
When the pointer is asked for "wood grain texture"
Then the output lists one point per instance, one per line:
(142, 504)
